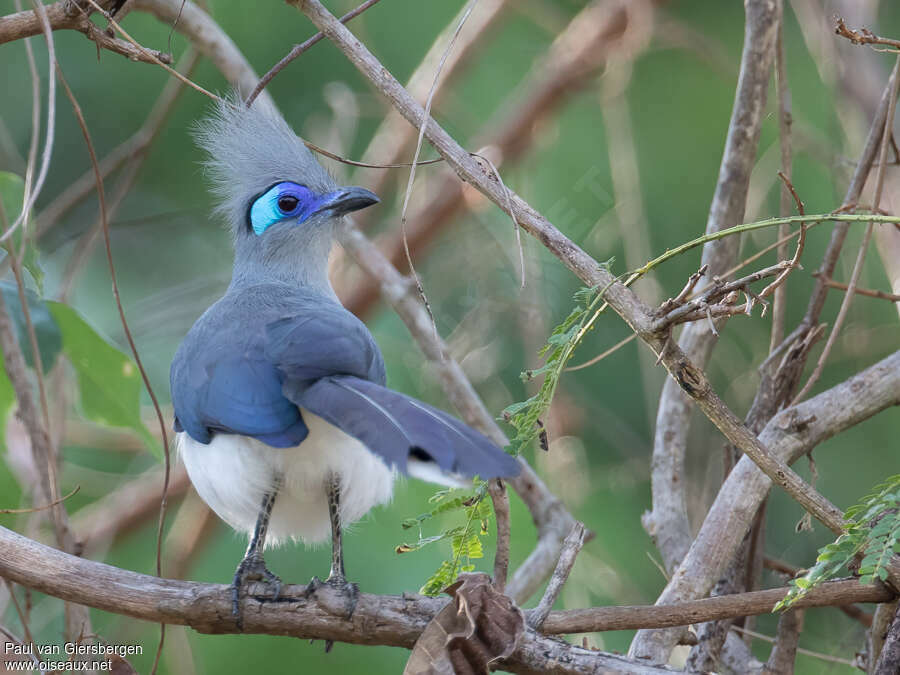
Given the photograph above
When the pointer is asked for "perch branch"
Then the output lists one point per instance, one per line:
(378, 619)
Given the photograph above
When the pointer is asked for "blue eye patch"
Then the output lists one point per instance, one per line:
(284, 201)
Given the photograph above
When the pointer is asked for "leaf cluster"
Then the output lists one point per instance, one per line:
(873, 533)
(525, 415)
(465, 539)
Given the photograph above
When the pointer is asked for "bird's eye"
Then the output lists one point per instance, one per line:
(287, 203)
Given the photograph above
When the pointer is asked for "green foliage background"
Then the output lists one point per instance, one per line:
(173, 261)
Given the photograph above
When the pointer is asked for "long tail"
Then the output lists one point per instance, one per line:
(401, 429)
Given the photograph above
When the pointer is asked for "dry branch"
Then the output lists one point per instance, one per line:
(26, 24)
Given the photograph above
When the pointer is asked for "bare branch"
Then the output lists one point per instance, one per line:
(25, 24)
(871, 293)
(298, 50)
(570, 548)
(863, 36)
(787, 638)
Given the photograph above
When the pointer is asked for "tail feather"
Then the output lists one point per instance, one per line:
(395, 426)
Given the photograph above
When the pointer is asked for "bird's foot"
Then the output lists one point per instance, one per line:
(336, 595)
(252, 568)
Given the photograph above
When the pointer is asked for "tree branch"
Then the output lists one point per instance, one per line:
(25, 24)
(377, 620)
(791, 434)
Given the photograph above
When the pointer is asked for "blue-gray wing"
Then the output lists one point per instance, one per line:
(229, 373)
(396, 426)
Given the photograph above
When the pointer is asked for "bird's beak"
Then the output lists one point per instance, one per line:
(347, 199)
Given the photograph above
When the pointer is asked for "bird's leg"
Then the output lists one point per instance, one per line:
(253, 567)
(336, 578)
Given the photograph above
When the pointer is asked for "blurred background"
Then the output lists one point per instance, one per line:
(622, 156)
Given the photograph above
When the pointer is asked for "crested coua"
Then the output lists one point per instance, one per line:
(284, 421)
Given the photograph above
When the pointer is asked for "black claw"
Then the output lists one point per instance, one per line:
(348, 590)
(251, 568)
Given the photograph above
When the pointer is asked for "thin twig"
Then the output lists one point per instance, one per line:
(800, 650)
(412, 171)
(785, 120)
(571, 546)
(872, 293)
(509, 210)
(602, 355)
(863, 36)
(43, 507)
(787, 639)
(150, 56)
(299, 49)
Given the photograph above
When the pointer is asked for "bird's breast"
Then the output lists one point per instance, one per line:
(234, 472)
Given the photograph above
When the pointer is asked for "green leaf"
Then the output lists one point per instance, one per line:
(45, 327)
(12, 196)
(108, 381)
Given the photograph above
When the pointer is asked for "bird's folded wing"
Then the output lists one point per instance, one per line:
(396, 427)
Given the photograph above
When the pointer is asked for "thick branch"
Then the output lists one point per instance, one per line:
(377, 620)
(709, 609)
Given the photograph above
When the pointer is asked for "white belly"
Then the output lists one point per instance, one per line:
(233, 473)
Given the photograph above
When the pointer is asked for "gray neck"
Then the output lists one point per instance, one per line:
(293, 255)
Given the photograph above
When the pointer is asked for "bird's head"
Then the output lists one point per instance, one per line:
(281, 204)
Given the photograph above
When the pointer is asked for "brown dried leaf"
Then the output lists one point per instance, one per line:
(477, 628)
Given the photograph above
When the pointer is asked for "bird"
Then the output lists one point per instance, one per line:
(283, 418)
